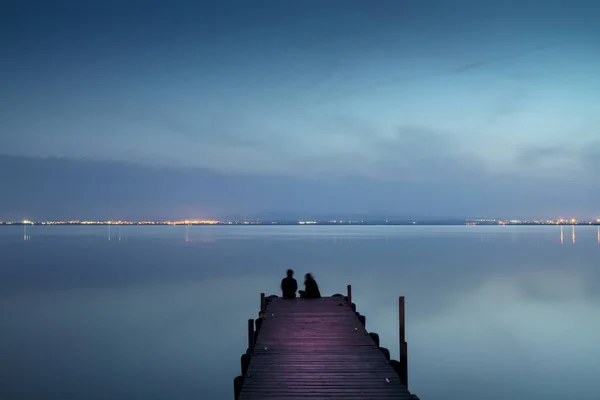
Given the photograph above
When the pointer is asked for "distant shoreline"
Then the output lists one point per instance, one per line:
(298, 223)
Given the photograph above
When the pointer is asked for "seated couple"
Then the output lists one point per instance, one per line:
(289, 287)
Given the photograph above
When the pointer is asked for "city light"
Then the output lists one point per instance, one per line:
(196, 221)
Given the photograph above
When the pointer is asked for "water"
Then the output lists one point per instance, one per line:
(160, 312)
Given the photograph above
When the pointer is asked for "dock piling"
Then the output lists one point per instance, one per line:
(237, 386)
(404, 364)
(403, 346)
(349, 294)
(251, 333)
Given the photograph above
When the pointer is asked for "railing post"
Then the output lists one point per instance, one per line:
(349, 294)
(250, 333)
(403, 346)
(263, 306)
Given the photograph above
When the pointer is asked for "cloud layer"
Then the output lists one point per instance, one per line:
(50, 188)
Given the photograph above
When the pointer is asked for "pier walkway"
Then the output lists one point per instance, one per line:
(317, 349)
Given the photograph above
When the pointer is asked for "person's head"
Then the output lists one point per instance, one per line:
(308, 276)
(290, 273)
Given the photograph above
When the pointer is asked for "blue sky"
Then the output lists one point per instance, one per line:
(408, 107)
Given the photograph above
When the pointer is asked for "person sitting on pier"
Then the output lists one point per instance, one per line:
(311, 289)
(289, 286)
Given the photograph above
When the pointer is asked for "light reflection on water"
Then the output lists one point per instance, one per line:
(492, 312)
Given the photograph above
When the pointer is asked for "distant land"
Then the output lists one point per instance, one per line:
(450, 221)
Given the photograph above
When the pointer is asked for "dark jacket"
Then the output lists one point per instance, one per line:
(288, 288)
(311, 289)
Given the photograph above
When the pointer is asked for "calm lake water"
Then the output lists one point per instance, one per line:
(160, 312)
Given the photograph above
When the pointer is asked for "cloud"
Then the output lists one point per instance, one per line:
(506, 60)
(533, 154)
(508, 57)
(415, 172)
(580, 162)
(195, 123)
(423, 154)
(591, 157)
(507, 104)
(407, 154)
(217, 131)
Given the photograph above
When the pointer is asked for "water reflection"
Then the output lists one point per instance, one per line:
(130, 320)
(562, 235)
(573, 236)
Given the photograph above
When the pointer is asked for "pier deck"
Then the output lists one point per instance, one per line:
(317, 349)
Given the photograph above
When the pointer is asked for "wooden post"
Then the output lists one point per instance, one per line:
(404, 364)
(263, 305)
(349, 294)
(401, 320)
(403, 346)
(250, 333)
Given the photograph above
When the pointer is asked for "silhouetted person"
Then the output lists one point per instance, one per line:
(289, 286)
(311, 289)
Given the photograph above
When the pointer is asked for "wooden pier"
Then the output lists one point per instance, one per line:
(319, 349)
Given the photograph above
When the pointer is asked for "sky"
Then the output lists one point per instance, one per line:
(133, 109)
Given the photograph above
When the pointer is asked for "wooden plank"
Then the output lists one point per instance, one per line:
(317, 349)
